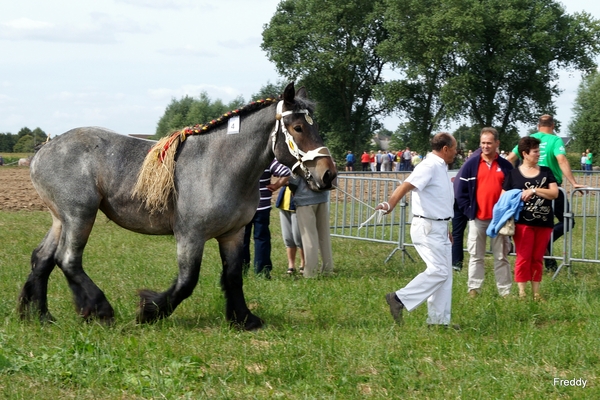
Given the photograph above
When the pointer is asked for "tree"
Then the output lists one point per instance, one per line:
(26, 140)
(585, 126)
(494, 62)
(24, 144)
(189, 111)
(270, 90)
(330, 47)
(7, 142)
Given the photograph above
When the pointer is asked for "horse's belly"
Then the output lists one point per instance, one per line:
(142, 222)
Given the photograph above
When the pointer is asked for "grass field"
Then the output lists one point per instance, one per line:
(324, 339)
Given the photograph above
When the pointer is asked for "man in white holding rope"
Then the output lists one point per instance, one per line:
(432, 206)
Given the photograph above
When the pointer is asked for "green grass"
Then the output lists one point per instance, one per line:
(324, 338)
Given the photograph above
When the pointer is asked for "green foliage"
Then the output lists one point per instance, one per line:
(491, 61)
(330, 47)
(405, 136)
(189, 111)
(270, 90)
(7, 142)
(325, 338)
(24, 144)
(585, 126)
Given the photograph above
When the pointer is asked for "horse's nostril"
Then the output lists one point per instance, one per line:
(328, 178)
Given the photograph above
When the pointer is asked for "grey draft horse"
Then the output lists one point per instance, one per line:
(214, 196)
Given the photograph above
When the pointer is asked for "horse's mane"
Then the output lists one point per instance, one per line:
(155, 183)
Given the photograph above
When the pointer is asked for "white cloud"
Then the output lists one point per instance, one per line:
(27, 24)
(240, 44)
(160, 4)
(85, 96)
(187, 51)
(224, 93)
(101, 29)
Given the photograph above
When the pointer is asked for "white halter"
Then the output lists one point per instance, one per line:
(295, 151)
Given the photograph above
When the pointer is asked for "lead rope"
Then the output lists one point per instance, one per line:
(377, 214)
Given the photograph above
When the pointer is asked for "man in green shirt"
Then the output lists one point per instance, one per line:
(553, 156)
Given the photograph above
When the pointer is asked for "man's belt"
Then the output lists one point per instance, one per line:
(433, 219)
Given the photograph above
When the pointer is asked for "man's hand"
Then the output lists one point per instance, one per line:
(385, 206)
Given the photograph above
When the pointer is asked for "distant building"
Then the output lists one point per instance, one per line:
(141, 135)
(381, 141)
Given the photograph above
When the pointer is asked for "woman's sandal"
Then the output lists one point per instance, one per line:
(291, 271)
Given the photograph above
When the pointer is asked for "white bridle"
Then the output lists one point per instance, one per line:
(295, 151)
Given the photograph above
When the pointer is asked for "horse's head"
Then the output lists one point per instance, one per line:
(296, 141)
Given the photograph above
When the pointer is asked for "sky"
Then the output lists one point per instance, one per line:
(119, 63)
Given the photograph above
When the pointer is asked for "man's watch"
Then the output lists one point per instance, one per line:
(533, 190)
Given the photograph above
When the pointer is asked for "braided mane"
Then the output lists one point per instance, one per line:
(155, 184)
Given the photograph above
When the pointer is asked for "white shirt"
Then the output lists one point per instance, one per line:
(433, 196)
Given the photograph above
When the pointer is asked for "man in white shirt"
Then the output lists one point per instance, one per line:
(432, 205)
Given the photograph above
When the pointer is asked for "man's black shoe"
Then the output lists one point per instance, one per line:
(395, 307)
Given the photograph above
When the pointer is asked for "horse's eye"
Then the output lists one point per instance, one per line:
(298, 128)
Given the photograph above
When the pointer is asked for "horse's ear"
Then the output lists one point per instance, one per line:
(302, 93)
(289, 93)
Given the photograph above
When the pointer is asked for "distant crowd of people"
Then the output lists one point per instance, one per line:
(383, 160)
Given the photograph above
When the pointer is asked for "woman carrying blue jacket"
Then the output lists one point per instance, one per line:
(534, 225)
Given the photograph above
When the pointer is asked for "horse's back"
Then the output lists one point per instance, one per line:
(86, 169)
(86, 154)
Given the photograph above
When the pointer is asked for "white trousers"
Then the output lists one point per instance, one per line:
(435, 283)
(476, 244)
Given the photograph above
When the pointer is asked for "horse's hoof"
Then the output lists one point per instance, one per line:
(46, 318)
(142, 318)
(253, 323)
(104, 321)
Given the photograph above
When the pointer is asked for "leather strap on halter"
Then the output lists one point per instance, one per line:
(295, 151)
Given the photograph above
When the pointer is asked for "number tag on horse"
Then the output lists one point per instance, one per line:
(233, 125)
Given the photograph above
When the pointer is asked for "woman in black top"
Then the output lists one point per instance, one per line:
(534, 226)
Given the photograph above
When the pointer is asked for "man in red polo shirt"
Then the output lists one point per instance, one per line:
(479, 189)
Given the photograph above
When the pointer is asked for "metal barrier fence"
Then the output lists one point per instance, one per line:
(353, 204)
(582, 241)
(357, 195)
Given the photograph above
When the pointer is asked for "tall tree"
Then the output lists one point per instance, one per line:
(495, 62)
(585, 126)
(330, 46)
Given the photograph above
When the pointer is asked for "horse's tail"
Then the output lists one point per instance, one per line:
(155, 185)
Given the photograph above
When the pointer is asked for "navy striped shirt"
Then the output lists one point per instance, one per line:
(275, 169)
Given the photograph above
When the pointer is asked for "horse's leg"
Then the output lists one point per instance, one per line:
(34, 295)
(154, 305)
(236, 309)
(90, 301)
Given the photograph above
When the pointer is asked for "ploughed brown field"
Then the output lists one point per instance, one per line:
(17, 192)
